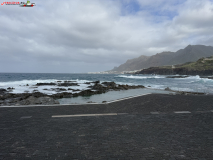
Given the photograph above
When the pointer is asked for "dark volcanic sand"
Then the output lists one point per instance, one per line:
(136, 135)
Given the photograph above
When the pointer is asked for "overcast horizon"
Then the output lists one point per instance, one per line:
(97, 35)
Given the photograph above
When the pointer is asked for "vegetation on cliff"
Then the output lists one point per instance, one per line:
(203, 66)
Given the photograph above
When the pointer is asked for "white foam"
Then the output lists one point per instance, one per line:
(181, 89)
(21, 86)
(141, 77)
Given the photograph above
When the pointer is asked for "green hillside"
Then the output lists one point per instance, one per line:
(201, 64)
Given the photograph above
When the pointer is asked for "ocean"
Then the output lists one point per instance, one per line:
(154, 83)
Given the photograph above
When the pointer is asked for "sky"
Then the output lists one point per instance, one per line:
(79, 36)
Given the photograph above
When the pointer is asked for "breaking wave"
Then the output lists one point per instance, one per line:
(141, 77)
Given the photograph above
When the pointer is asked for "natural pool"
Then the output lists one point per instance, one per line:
(109, 96)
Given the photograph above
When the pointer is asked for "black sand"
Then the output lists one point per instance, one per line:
(32, 133)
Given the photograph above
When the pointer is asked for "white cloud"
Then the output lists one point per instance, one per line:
(95, 35)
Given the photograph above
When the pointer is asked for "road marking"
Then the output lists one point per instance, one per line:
(154, 112)
(121, 113)
(179, 112)
(24, 117)
(85, 115)
(127, 98)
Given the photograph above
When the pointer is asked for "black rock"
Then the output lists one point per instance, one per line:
(96, 82)
(177, 76)
(68, 81)
(2, 90)
(167, 89)
(45, 84)
(86, 93)
(9, 88)
(68, 84)
(109, 84)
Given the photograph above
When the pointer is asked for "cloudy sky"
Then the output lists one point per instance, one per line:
(70, 36)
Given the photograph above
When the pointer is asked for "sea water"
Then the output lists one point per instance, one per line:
(25, 82)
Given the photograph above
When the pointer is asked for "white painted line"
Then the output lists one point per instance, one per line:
(85, 115)
(127, 98)
(154, 112)
(179, 112)
(23, 117)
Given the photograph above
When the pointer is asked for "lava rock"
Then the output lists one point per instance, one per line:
(41, 100)
(68, 84)
(46, 84)
(177, 76)
(167, 89)
(96, 82)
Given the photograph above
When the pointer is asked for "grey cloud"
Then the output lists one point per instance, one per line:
(82, 36)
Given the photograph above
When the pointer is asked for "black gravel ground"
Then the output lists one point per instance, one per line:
(32, 133)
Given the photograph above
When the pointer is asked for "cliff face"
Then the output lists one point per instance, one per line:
(180, 71)
(189, 54)
(203, 66)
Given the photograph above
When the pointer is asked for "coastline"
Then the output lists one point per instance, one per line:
(53, 91)
(88, 97)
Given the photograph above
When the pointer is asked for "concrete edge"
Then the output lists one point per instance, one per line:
(75, 104)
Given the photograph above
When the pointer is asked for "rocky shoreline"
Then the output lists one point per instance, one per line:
(7, 98)
(171, 71)
(37, 98)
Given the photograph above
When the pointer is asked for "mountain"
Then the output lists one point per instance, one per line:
(203, 66)
(189, 54)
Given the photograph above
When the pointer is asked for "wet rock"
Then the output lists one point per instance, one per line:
(104, 101)
(68, 81)
(98, 86)
(58, 89)
(86, 93)
(45, 84)
(68, 84)
(10, 88)
(41, 100)
(209, 77)
(109, 84)
(87, 82)
(96, 82)
(167, 89)
(2, 90)
(27, 85)
(62, 89)
(38, 94)
(177, 76)
(62, 95)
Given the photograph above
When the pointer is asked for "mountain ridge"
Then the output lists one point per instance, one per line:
(190, 53)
